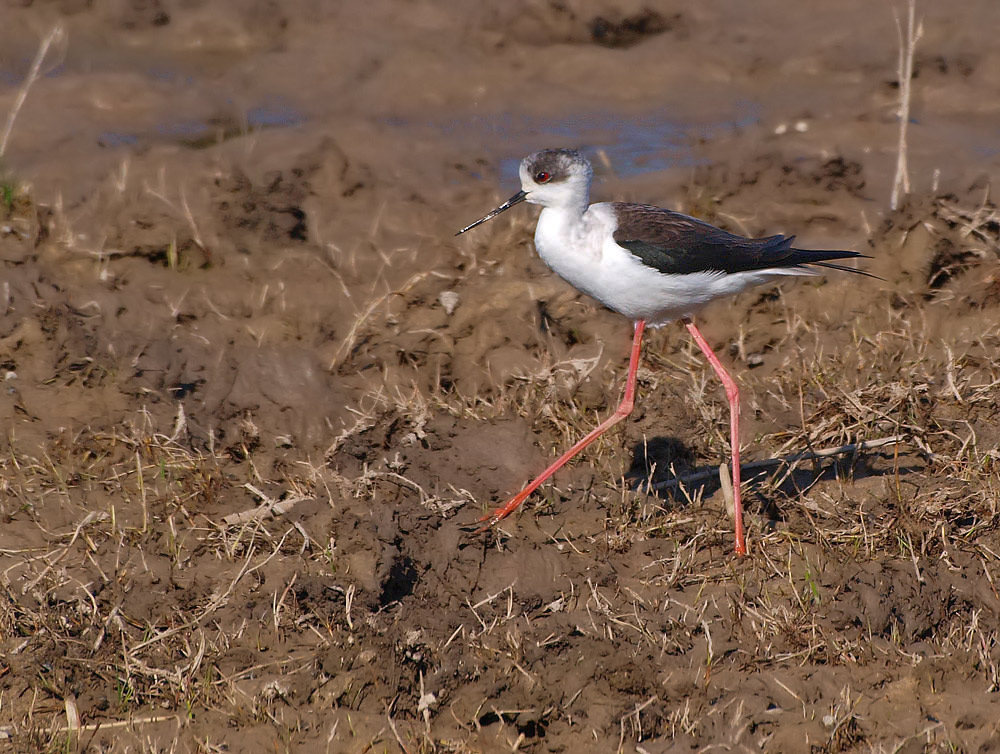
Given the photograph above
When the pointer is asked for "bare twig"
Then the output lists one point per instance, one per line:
(907, 46)
(395, 732)
(269, 507)
(107, 724)
(726, 482)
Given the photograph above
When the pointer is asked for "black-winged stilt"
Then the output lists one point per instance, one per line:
(650, 264)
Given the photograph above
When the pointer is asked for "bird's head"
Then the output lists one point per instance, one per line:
(551, 178)
(556, 178)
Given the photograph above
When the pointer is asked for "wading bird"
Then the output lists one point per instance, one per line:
(650, 264)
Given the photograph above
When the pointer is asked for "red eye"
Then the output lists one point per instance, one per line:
(542, 177)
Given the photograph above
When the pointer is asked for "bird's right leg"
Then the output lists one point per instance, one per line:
(733, 394)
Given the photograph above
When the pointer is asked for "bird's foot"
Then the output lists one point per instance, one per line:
(503, 511)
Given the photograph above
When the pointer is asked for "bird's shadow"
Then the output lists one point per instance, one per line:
(660, 462)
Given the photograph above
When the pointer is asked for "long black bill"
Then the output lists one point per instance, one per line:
(516, 199)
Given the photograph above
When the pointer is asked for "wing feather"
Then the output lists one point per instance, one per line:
(676, 244)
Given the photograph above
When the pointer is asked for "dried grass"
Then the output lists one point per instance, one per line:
(175, 583)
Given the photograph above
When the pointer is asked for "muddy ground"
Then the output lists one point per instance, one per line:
(256, 395)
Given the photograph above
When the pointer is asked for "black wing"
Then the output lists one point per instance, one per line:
(676, 244)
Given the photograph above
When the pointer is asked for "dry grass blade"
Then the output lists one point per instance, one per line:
(56, 34)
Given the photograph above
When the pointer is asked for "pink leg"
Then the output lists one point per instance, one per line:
(734, 427)
(623, 410)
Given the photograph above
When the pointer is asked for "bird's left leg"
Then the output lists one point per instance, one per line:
(623, 410)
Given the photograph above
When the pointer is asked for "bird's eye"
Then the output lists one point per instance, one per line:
(542, 177)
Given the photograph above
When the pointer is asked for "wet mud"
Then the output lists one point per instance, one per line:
(256, 395)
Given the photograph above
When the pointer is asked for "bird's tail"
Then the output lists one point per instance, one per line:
(844, 268)
(824, 257)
